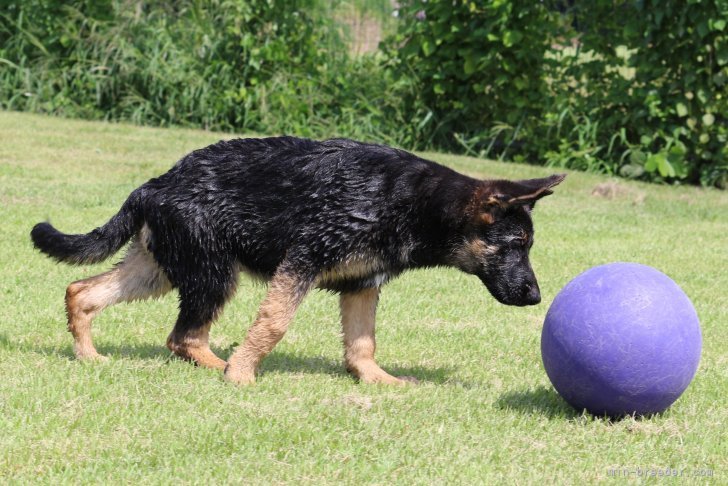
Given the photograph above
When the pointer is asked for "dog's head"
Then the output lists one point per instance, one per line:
(498, 236)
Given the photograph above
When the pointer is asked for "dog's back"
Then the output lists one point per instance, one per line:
(322, 203)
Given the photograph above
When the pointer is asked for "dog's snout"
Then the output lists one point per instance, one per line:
(533, 294)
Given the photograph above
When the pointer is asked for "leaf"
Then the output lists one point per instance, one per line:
(427, 48)
(681, 109)
(665, 168)
(637, 157)
(651, 163)
(9, 63)
(708, 119)
(719, 24)
(702, 29)
(721, 55)
(521, 83)
(676, 157)
(424, 121)
(470, 64)
(630, 30)
(511, 37)
(631, 171)
(658, 163)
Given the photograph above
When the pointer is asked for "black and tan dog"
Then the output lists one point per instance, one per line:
(339, 215)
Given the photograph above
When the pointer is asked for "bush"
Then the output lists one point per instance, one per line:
(191, 62)
(651, 78)
(624, 87)
(263, 65)
(631, 88)
(478, 68)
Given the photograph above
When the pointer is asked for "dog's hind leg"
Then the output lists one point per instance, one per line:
(198, 309)
(286, 290)
(203, 292)
(136, 277)
(358, 311)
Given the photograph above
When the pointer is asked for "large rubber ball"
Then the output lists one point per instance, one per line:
(621, 339)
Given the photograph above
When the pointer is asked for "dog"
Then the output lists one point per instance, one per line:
(339, 215)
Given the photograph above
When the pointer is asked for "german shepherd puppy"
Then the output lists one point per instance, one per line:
(300, 214)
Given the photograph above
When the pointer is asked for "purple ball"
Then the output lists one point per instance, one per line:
(621, 339)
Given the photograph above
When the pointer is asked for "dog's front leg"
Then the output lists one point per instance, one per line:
(358, 311)
(285, 292)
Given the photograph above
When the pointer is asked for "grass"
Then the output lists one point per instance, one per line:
(484, 413)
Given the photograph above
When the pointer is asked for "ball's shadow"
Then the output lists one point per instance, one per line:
(541, 400)
(547, 402)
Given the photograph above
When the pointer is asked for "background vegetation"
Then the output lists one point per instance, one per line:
(635, 88)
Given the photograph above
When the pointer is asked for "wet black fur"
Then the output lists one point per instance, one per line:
(309, 206)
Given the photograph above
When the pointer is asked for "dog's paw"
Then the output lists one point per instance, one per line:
(238, 376)
(368, 371)
(387, 379)
(92, 357)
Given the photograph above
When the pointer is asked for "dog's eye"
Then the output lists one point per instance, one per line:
(517, 243)
(520, 243)
(525, 241)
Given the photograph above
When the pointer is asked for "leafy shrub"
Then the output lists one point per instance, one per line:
(653, 76)
(262, 65)
(634, 88)
(478, 69)
(625, 87)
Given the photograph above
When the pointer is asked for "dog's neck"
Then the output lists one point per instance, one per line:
(442, 216)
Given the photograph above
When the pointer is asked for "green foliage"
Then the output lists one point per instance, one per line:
(634, 88)
(258, 65)
(476, 66)
(654, 76)
(623, 87)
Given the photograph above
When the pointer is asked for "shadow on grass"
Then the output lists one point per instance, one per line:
(542, 401)
(281, 362)
(295, 363)
(547, 402)
(135, 351)
(275, 362)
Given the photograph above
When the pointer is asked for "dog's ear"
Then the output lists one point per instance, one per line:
(497, 196)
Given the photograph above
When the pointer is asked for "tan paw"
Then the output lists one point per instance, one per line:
(388, 379)
(90, 356)
(202, 357)
(370, 372)
(238, 376)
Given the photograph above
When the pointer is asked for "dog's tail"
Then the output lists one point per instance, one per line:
(96, 246)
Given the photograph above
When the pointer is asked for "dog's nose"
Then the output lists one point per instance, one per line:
(533, 296)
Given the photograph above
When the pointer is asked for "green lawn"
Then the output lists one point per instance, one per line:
(485, 411)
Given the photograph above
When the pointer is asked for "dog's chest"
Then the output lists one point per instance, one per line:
(355, 273)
